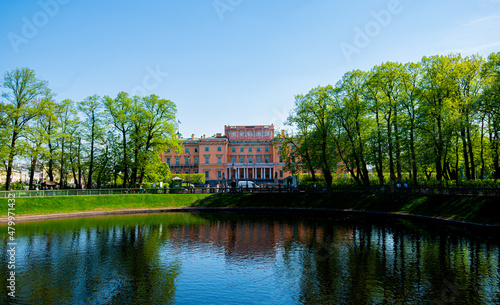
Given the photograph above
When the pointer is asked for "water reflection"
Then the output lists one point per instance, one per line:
(229, 258)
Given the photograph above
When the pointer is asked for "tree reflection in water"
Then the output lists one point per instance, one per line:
(216, 258)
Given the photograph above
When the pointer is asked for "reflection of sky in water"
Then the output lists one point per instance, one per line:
(262, 259)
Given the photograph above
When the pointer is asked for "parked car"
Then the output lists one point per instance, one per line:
(247, 184)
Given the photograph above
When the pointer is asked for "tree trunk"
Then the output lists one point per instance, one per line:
(32, 173)
(125, 160)
(465, 153)
(61, 172)
(471, 153)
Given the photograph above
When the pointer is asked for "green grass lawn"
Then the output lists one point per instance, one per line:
(473, 209)
(70, 204)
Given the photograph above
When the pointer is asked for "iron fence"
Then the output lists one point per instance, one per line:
(411, 190)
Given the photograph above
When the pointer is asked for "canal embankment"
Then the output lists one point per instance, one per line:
(482, 210)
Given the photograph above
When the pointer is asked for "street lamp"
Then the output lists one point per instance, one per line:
(189, 173)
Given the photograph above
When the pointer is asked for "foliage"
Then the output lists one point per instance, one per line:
(436, 122)
(19, 110)
(194, 178)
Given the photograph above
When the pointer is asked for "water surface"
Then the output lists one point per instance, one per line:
(250, 258)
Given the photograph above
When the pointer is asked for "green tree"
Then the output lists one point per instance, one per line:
(18, 110)
(438, 115)
(91, 108)
(410, 79)
(351, 124)
(119, 112)
(490, 107)
(36, 140)
(68, 121)
(312, 116)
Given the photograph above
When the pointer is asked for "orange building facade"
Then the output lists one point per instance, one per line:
(242, 153)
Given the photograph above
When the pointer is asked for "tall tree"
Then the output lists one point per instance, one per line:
(314, 111)
(351, 124)
(91, 108)
(159, 128)
(66, 116)
(36, 140)
(50, 124)
(438, 114)
(410, 79)
(490, 106)
(20, 109)
(119, 112)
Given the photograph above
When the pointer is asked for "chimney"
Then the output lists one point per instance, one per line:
(192, 136)
(203, 136)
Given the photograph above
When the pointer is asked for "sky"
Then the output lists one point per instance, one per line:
(230, 62)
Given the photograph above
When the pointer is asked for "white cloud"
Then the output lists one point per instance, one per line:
(486, 19)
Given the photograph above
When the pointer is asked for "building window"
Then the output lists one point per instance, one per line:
(266, 133)
(266, 149)
(177, 160)
(250, 149)
(281, 174)
(233, 133)
(177, 172)
(242, 149)
(219, 159)
(250, 159)
(266, 159)
(258, 133)
(187, 150)
(168, 161)
(196, 161)
(168, 150)
(186, 160)
(281, 159)
(233, 149)
(242, 159)
(207, 174)
(219, 148)
(219, 174)
(233, 159)
(242, 133)
(279, 148)
(207, 159)
(196, 150)
(258, 149)
(250, 133)
(259, 159)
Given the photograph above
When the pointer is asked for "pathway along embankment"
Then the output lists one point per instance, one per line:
(479, 210)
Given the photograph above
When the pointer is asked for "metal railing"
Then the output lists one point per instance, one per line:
(429, 191)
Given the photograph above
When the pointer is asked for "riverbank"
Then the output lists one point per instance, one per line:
(480, 210)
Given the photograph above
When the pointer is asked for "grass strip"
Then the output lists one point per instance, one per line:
(484, 210)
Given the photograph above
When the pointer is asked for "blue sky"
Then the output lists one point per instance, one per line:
(230, 62)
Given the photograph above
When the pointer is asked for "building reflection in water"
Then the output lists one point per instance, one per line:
(207, 258)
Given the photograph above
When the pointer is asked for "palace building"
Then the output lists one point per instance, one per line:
(242, 153)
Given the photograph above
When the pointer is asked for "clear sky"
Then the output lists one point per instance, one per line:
(230, 62)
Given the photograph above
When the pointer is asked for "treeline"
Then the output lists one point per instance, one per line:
(434, 119)
(94, 142)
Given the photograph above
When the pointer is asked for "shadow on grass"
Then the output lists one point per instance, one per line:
(472, 209)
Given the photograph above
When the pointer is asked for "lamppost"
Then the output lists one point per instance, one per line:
(189, 173)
